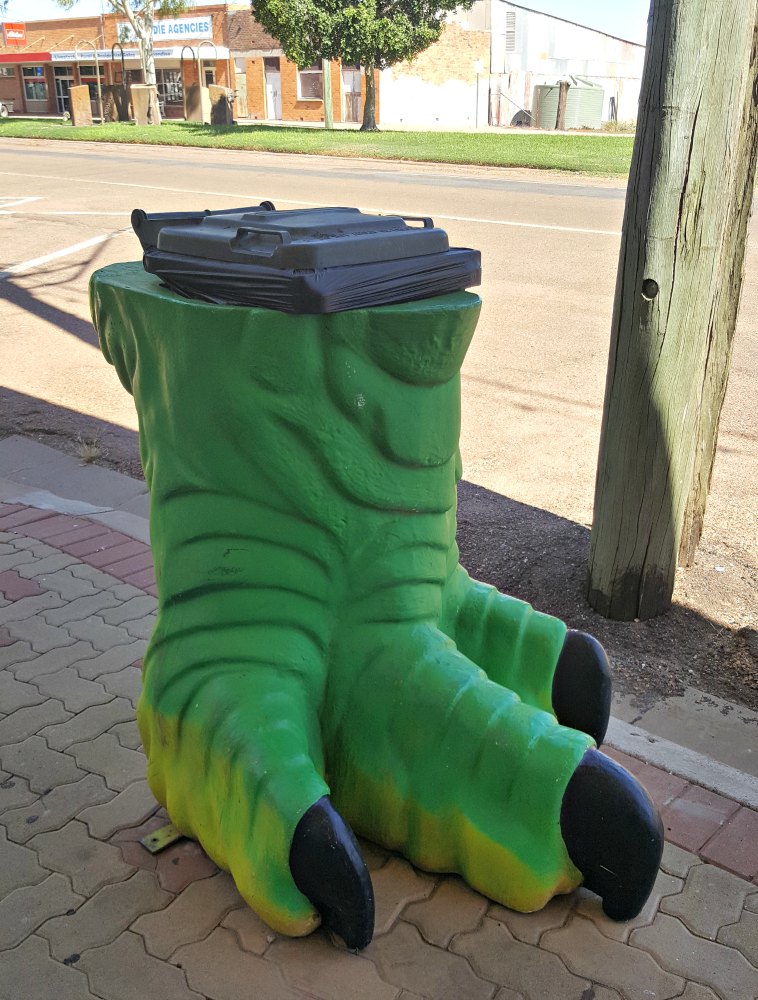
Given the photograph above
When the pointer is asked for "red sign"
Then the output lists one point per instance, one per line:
(15, 33)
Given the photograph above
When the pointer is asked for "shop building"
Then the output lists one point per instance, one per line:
(41, 60)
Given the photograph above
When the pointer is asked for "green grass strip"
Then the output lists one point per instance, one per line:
(605, 155)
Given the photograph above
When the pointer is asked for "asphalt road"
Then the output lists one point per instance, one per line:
(534, 378)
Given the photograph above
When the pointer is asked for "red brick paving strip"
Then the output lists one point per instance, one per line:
(50, 526)
(83, 534)
(97, 544)
(21, 517)
(695, 817)
(735, 846)
(115, 553)
(13, 586)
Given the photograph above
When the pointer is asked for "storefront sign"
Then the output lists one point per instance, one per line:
(15, 33)
(104, 55)
(172, 29)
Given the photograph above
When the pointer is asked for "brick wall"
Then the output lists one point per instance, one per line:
(453, 57)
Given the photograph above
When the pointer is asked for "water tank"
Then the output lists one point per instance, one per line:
(584, 104)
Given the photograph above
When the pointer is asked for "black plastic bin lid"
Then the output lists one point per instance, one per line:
(317, 260)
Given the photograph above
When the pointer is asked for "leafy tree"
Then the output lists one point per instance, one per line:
(374, 34)
(141, 15)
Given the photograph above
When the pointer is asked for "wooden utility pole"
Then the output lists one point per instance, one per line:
(326, 80)
(679, 280)
(563, 93)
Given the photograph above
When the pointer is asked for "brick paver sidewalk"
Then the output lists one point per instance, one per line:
(86, 912)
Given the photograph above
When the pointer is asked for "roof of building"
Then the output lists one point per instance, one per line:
(556, 17)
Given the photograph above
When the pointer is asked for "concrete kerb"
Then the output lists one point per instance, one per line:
(39, 476)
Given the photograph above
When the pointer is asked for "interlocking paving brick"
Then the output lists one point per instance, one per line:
(694, 991)
(529, 927)
(496, 955)
(589, 906)
(743, 936)
(13, 586)
(15, 694)
(724, 969)
(123, 971)
(105, 559)
(16, 559)
(95, 631)
(142, 628)
(100, 580)
(735, 846)
(218, 968)
(40, 636)
(25, 722)
(407, 961)
(587, 952)
(14, 653)
(395, 885)
(131, 566)
(451, 909)
(315, 965)
(107, 541)
(128, 808)
(127, 733)
(80, 608)
(71, 689)
(183, 863)
(374, 856)
(695, 816)
(126, 683)
(29, 973)
(135, 854)
(42, 767)
(190, 917)
(19, 866)
(711, 899)
(89, 863)
(112, 660)
(88, 724)
(23, 910)
(87, 529)
(134, 609)
(51, 812)
(138, 830)
(37, 548)
(6, 639)
(69, 585)
(29, 606)
(125, 592)
(105, 755)
(104, 916)
(14, 792)
(751, 903)
(55, 660)
(49, 564)
(252, 933)
(54, 525)
(676, 861)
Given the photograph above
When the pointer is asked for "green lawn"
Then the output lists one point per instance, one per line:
(591, 154)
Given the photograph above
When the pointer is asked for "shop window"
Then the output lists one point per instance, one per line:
(35, 84)
(7, 70)
(210, 75)
(88, 75)
(310, 83)
(170, 89)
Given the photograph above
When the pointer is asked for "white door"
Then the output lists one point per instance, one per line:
(351, 94)
(273, 90)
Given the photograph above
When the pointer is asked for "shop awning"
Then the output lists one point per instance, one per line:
(25, 57)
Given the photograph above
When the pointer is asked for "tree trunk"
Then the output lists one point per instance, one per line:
(679, 281)
(560, 118)
(369, 105)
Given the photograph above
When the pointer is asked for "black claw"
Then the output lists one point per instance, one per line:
(582, 686)
(613, 834)
(328, 868)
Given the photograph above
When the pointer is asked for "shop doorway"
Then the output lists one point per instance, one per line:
(64, 80)
(273, 88)
(351, 94)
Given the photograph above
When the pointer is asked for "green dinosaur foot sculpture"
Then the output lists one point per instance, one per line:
(317, 641)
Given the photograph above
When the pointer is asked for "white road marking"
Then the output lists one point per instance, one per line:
(8, 201)
(319, 204)
(120, 215)
(28, 265)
